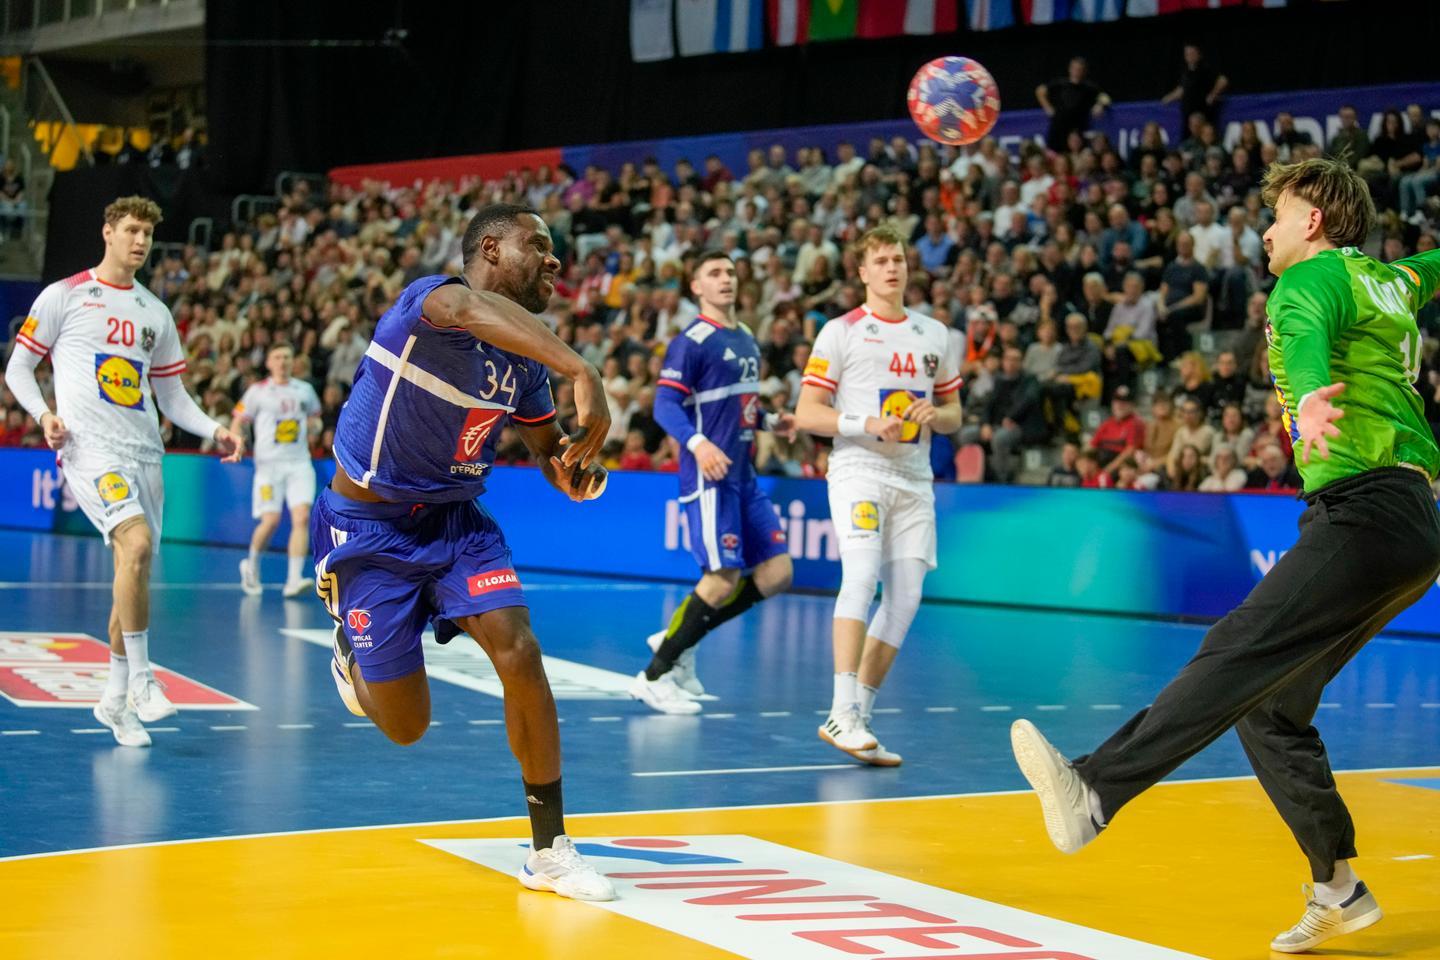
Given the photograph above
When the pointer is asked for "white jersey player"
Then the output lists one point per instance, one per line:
(117, 356)
(284, 411)
(880, 380)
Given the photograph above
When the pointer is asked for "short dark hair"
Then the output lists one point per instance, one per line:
(493, 220)
(705, 257)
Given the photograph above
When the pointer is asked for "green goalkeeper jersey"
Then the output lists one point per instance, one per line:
(1343, 317)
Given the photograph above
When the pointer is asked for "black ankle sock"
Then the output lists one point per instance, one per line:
(547, 813)
(691, 622)
(746, 595)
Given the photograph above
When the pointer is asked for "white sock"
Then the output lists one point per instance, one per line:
(116, 686)
(867, 698)
(297, 567)
(137, 651)
(845, 695)
(1339, 887)
(255, 561)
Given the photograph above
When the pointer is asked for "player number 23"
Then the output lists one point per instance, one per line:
(495, 382)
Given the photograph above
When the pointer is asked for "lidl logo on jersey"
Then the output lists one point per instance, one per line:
(492, 580)
(120, 380)
(71, 669)
(894, 403)
(112, 487)
(476, 430)
(287, 431)
(864, 515)
(753, 898)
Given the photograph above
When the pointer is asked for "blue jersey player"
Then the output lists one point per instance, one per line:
(708, 399)
(399, 538)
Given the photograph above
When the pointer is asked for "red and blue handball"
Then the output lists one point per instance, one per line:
(954, 100)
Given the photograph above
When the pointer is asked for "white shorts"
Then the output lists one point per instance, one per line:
(870, 513)
(287, 482)
(111, 489)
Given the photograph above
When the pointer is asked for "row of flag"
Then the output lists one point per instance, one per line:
(661, 29)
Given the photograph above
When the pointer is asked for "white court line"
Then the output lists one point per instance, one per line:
(1051, 707)
(356, 726)
(706, 773)
(995, 709)
(485, 723)
(1430, 706)
(83, 730)
(1105, 706)
(1380, 706)
(718, 716)
(1415, 856)
(606, 719)
(941, 709)
(18, 733)
(162, 729)
(229, 726)
(617, 813)
(886, 710)
(786, 713)
(1329, 706)
(295, 726)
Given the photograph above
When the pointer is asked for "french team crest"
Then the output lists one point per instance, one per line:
(147, 339)
(932, 363)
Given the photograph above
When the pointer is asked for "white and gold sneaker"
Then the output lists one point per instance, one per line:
(1064, 796)
(846, 731)
(1323, 921)
(560, 869)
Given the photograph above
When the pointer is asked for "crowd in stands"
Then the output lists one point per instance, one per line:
(1077, 281)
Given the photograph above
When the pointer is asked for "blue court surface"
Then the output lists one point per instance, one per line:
(278, 752)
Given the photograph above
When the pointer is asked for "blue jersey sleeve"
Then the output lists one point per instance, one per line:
(535, 405)
(679, 370)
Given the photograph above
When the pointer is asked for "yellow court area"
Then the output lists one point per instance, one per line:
(1191, 869)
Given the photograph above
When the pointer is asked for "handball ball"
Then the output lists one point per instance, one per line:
(954, 100)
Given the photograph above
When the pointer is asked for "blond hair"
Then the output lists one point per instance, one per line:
(1347, 210)
(141, 208)
(881, 236)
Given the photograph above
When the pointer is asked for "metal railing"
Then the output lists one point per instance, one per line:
(42, 102)
(247, 206)
(285, 180)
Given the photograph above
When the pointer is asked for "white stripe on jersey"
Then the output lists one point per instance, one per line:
(426, 381)
(721, 393)
(402, 364)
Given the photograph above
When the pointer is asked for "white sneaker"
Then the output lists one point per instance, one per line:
(342, 662)
(879, 756)
(295, 588)
(683, 673)
(846, 731)
(560, 868)
(1323, 922)
(1064, 797)
(250, 578)
(122, 721)
(663, 695)
(147, 698)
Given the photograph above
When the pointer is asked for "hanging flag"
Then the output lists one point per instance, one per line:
(833, 19)
(1045, 11)
(1141, 8)
(789, 21)
(719, 26)
(650, 30)
(892, 18)
(1093, 11)
(990, 14)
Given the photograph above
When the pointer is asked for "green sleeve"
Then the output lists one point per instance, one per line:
(1421, 271)
(1307, 313)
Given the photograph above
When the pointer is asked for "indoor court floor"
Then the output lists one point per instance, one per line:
(268, 822)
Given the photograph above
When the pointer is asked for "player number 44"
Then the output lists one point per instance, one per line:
(905, 369)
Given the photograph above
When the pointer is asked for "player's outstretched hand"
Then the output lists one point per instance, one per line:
(922, 411)
(712, 461)
(230, 443)
(593, 417)
(1317, 421)
(885, 428)
(56, 432)
(584, 483)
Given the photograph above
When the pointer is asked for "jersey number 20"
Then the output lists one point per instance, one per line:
(121, 331)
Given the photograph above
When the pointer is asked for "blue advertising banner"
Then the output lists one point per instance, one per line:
(1154, 554)
(1315, 113)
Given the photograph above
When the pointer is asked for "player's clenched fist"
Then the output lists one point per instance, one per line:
(55, 432)
(885, 428)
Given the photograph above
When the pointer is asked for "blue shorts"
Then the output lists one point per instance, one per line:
(733, 527)
(385, 569)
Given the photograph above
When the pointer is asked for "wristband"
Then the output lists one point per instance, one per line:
(851, 425)
(694, 442)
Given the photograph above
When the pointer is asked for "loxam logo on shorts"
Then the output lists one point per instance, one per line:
(492, 580)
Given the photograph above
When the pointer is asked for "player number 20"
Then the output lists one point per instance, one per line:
(121, 331)
(495, 382)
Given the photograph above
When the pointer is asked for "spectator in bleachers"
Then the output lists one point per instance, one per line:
(1077, 375)
(1087, 465)
(1227, 384)
(1286, 137)
(1184, 297)
(1192, 432)
(1276, 472)
(1066, 472)
(1349, 139)
(1010, 418)
(1122, 433)
(12, 200)
(1195, 382)
(1070, 102)
(1186, 469)
(1200, 87)
(1234, 434)
(1225, 476)
(1415, 185)
(1160, 430)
